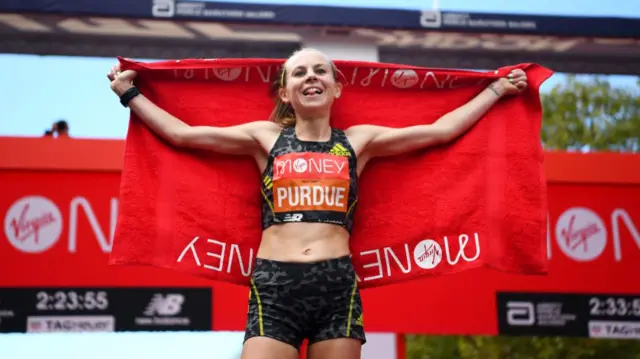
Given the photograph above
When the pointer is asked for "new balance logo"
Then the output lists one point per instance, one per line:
(339, 150)
(164, 305)
(295, 217)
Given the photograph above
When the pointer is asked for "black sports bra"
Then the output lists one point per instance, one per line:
(308, 181)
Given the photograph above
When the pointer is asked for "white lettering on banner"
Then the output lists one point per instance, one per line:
(407, 78)
(616, 215)
(581, 234)
(400, 78)
(465, 20)
(266, 77)
(365, 82)
(104, 242)
(227, 74)
(388, 253)
(222, 254)
(463, 239)
(427, 254)
(33, 224)
(219, 31)
(434, 78)
(448, 81)
(191, 247)
(219, 256)
(434, 40)
(377, 263)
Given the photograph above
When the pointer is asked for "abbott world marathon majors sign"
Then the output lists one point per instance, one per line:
(179, 29)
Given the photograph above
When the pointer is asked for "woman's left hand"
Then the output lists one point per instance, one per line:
(514, 83)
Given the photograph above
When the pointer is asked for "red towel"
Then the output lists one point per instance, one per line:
(479, 201)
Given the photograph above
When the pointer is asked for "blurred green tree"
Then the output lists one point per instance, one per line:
(591, 115)
(503, 347)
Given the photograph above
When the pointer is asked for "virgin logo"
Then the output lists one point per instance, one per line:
(581, 234)
(404, 78)
(24, 227)
(33, 224)
(228, 74)
(427, 254)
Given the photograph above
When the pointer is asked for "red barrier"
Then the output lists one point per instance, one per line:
(593, 243)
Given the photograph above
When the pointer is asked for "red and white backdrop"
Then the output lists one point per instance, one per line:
(58, 228)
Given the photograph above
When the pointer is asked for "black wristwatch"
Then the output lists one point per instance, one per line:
(128, 95)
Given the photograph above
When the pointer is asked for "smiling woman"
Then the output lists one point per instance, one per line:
(304, 284)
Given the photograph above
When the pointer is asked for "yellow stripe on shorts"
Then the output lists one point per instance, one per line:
(260, 324)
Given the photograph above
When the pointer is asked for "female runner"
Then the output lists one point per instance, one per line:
(304, 284)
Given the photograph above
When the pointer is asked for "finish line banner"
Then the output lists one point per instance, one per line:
(340, 16)
(58, 227)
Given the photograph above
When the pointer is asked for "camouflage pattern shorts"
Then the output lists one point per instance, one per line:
(317, 301)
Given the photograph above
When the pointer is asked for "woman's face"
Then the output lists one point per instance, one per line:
(310, 82)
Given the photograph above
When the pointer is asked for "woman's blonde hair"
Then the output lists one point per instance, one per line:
(283, 113)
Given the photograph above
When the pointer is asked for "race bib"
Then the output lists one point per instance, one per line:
(310, 182)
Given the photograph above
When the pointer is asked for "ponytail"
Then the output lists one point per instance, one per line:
(283, 114)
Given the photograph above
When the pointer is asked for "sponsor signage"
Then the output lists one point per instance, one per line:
(197, 31)
(169, 29)
(58, 229)
(602, 315)
(305, 15)
(166, 38)
(104, 309)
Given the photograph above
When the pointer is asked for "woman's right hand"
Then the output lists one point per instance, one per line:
(121, 81)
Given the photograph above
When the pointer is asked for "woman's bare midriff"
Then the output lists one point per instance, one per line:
(303, 242)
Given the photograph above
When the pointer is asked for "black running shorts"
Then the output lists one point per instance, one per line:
(291, 302)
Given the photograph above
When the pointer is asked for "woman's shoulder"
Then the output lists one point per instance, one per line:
(262, 127)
